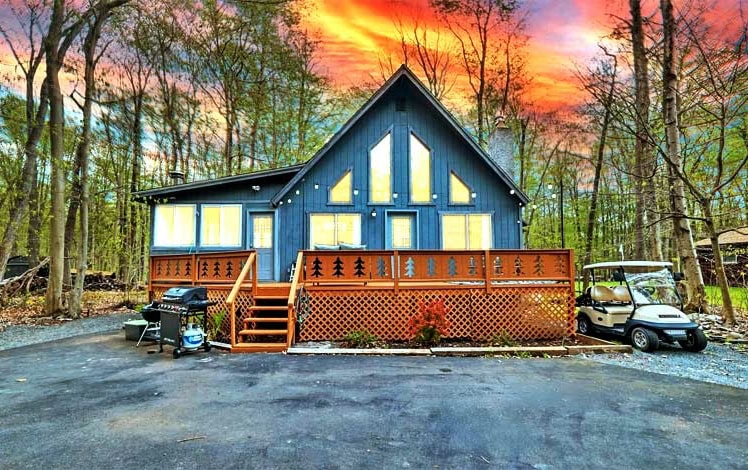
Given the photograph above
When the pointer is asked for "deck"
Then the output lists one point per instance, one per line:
(525, 294)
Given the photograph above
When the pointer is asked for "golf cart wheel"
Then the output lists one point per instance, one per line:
(695, 341)
(644, 339)
(584, 326)
(207, 346)
(177, 353)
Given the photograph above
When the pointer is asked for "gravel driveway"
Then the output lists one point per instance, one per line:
(719, 363)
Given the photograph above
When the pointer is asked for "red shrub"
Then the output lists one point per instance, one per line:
(430, 324)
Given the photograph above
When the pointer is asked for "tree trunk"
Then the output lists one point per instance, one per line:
(681, 225)
(592, 215)
(82, 159)
(719, 268)
(54, 300)
(28, 178)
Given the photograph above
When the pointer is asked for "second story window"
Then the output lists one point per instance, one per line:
(340, 193)
(420, 171)
(459, 192)
(380, 171)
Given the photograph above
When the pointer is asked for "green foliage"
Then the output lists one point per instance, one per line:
(214, 324)
(502, 339)
(360, 339)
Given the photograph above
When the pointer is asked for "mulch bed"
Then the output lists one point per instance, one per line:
(458, 343)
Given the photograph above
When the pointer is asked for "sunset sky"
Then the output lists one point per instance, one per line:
(352, 35)
(561, 33)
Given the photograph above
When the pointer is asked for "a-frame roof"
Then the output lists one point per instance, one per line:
(403, 73)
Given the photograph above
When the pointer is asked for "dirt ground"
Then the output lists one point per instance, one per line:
(30, 310)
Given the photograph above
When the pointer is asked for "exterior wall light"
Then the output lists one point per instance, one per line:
(394, 195)
(298, 192)
(374, 212)
(355, 192)
(289, 200)
(510, 192)
(434, 196)
(316, 185)
(473, 195)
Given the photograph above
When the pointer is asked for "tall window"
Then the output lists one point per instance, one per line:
(174, 225)
(340, 193)
(459, 192)
(466, 232)
(334, 229)
(380, 171)
(220, 225)
(420, 171)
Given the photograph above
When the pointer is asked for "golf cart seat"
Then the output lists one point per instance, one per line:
(621, 294)
(602, 294)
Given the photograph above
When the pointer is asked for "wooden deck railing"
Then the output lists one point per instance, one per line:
(292, 298)
(249, 267)
(411, 269)
(527, 294)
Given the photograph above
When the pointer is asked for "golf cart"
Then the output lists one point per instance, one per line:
(644, 307)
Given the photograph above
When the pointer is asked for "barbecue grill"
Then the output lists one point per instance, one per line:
(175, 309)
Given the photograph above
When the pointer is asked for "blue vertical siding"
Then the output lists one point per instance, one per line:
(449, 152)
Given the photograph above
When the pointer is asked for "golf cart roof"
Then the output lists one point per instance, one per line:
(629, 264)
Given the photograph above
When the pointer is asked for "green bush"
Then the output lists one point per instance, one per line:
(360, 339)
(503, 339)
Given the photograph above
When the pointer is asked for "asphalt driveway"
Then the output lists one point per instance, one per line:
(97, 402)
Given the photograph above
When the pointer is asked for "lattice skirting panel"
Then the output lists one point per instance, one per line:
(219, 322)
(517, 311)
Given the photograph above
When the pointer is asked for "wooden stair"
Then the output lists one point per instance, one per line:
(266, 328)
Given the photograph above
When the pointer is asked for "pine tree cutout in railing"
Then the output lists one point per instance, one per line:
(337, 267)
(358, 267)
(204, 269)
(316, 268)
(410, 267)
(452, 266)
(518, 266)
(229, 268)
(168, 268)
(561, 265)
(539, 271)
(188, 269)
(431, 266)
(177, 268)
(217, 269)
(381, 267)
(472, 268)
(158, 268)
(498, 267)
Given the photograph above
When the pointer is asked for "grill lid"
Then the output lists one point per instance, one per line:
(184, 295)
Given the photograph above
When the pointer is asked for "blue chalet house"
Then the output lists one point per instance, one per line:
(400, 174)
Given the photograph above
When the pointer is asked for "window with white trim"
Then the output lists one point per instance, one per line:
(420, 171)
(731, 258)
(466, 232)
(459, 192)
(174, 225)
(340, 193)
(334, 229)
(380, 171)
(221, 225)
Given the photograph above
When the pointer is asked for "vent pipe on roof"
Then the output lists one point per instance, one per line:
(501, 146)
(177, 177)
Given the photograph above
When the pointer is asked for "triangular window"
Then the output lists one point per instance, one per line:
(340, 193)
(459, 192)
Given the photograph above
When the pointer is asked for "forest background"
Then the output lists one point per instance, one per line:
(633, 127)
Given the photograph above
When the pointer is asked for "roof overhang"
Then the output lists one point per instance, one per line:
(173, 190)
(629, 264)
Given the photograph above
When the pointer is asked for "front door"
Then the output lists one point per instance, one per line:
(401, 233)
(261, 240)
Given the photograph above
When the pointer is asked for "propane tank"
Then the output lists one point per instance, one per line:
(192, 337)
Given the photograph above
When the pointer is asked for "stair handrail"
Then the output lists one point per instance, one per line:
(292, 299)
(230, 300)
